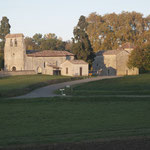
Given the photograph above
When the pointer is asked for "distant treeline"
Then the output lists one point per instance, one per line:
(111, 30)
(46, 42)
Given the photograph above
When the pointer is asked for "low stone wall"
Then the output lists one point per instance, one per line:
(15, 73)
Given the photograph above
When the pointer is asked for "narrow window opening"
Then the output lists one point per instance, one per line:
(80, 71)
(15, 43)
(11, 43)
(66, 70)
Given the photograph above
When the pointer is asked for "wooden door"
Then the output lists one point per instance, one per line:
(80, 71)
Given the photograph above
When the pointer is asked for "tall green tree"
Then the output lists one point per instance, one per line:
(81, 46)
(4, 30)
(140, 57)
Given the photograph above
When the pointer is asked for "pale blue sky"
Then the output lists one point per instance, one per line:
(60, 16)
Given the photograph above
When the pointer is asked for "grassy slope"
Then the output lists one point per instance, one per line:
(72, 119)
(129, 85)
(17, 85)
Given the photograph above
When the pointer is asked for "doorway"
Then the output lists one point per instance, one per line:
(39, 70)
(56, 72)
(13, 68)
(80, 71)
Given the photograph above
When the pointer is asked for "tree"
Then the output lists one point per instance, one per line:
(30, 44)
(94, 30)
(37, 38)
(111, 30)
(48, 44)
(140, 57)
(4, 30)
(50, 36)
(81, 46)
(68, 45)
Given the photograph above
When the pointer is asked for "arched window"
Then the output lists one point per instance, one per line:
(15, 43)
(13, 68)
(11, 43)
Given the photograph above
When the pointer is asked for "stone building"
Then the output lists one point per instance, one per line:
(114, 62)
(17, 58)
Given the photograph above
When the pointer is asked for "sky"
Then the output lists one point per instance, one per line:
(61, 16)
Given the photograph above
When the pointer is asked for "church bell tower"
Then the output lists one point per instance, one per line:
(14, 52)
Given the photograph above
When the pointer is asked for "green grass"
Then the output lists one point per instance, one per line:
(128, 85)
(50, 120)
(71, 119)
(17, 85)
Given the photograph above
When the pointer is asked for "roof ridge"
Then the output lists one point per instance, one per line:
(14, 35)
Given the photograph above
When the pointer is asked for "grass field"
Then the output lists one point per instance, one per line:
(128, 85)
(17, 85)
(49, 120)
(75, 119)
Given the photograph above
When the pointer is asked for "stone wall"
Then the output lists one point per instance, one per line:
(74, 69)
(105, 65)
(33, 63)
(15, 73)
(122, 68)
(113, 64)
(77, 69)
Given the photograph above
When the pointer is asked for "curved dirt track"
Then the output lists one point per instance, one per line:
(48, 91)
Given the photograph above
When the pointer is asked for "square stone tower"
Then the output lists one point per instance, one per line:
(14, 52)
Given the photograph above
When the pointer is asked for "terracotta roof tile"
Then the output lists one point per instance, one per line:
(78, 62)
(14, 35)
(50, 53)
(54, 66)
(109, 52)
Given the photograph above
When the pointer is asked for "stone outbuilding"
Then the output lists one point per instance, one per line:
(74, 68)
(52, 62)
(114, 62)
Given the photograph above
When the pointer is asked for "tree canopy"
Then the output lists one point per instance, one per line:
(4, 30)
(111, 30)
(81, 46)
(47, 42)
(140, 57)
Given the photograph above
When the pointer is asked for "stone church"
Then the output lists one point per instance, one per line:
(52, 62)
(114, 62)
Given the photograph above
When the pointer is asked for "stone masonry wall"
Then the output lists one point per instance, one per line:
(15, 73)
(14, 55)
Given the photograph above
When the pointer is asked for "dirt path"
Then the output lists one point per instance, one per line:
(48, 91)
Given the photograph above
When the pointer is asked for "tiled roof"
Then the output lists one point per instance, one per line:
(50, 53)
(14, 35)
(109, 52)
(78, 62)
(54, 66)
